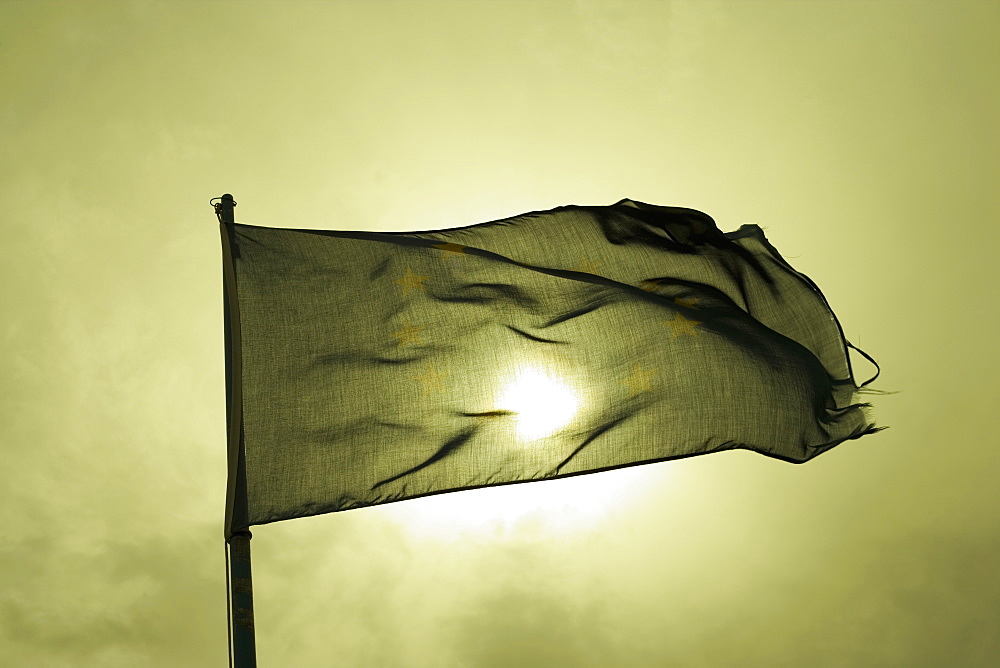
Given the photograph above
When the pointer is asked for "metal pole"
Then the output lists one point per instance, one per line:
(224, 208)
(242, 646)
(241, 601)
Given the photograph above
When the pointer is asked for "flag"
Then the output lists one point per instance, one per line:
(371, 367)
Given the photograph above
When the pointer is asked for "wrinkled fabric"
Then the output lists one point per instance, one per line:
(376, 367)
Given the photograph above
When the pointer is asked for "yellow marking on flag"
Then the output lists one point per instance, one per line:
(681, 325)
(411, 281)
(649, 286)
(433, 379)
(408, 334)
(639, 380)
(453, 250)
(690, 303)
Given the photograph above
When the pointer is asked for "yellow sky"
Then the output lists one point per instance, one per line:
(861, 135)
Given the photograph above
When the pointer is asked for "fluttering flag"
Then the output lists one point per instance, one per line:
(373, 367)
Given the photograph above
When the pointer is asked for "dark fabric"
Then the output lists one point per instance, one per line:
(384, 366)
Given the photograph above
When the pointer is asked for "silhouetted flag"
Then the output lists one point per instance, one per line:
(374, 367)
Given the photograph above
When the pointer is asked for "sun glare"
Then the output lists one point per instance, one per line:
(553, 507)
(541, 402)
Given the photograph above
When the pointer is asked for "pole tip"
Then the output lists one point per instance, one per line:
(224, 207)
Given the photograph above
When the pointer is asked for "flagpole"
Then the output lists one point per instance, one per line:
(243, 647)
(239, 580)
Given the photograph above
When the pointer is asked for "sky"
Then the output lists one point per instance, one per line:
(861, 136)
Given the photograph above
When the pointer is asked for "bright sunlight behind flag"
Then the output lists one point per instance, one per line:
(374, 367)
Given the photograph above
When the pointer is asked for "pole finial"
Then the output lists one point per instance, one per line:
(224, 208)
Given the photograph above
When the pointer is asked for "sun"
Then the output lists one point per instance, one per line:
(541, 402)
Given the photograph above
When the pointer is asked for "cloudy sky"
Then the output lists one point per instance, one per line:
(861, 135)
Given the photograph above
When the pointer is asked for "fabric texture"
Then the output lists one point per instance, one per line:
(376, 367)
